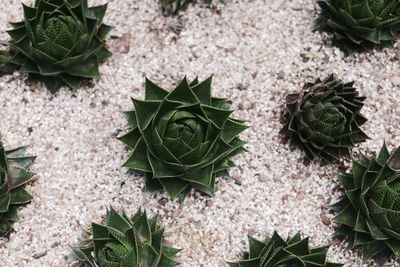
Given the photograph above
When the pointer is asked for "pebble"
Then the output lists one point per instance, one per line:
(325, 219)
(263, 177)
(39, 255)
(396, 80)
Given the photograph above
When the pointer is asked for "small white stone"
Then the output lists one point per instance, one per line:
(395, 80)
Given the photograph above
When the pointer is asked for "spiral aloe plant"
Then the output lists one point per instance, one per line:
(182, 139)
(274, 251)
(60, 42)
(14, 175)
(324, 119)
(126, 242)
(369, 213)
(361, 23)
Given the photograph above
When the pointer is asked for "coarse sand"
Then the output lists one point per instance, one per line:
(259, 51)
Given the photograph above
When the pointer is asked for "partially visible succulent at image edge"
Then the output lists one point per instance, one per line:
(60, 42)
(172, 7)
(369, 213)
(361, 23)
(14, 175)
(324, 119)
(125, 241)
(274, 251)
(182, 139)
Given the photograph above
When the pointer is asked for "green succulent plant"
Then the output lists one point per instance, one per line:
(324, 119)
(126, 242)
(172, 7)
(274, 251)
(60, 42)
(369, 213)
(361, 23)
(14, 175)
(182, 139)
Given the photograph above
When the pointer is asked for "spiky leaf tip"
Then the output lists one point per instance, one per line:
(182, 139)
(361, 24)
(14, 175)
(276, 251)
(60, 42)
(368, 213)
(324, 119)
(124, 241)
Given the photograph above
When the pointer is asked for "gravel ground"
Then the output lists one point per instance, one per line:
(259, 51)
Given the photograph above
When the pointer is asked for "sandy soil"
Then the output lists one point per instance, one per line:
(259, 51)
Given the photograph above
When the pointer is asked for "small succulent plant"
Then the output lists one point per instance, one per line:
(182, 139)
(126, 242)
(60, 42)
(324, 119)
(369, 213)
(361, 23)
(14, 175)
(277, 252)
(172, 7)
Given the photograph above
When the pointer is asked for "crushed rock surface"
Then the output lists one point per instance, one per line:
(259, 51)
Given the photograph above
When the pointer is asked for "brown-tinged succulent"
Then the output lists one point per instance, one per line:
(60, 42)
(361, 23)
(14, 175)
(125, 241)
(182, 139)
(274, 251)
(324, 119)
(369, 213)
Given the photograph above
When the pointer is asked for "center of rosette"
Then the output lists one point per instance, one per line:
(183, 132)
(112, 253)
(384, 203)
(58, 35)
(327, 120)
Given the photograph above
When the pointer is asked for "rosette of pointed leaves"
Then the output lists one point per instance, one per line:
(126, 242)
(369, 213)
(277, 252)
(182, 139)
(324, 119)
(14, 175)
(361, 23)
(60, 42)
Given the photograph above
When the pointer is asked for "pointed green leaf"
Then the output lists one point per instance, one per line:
(138, 159)
(173, 186)
(203, 91)
(153, 91)
(201, 176)
(183, 93)
(20, 196)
